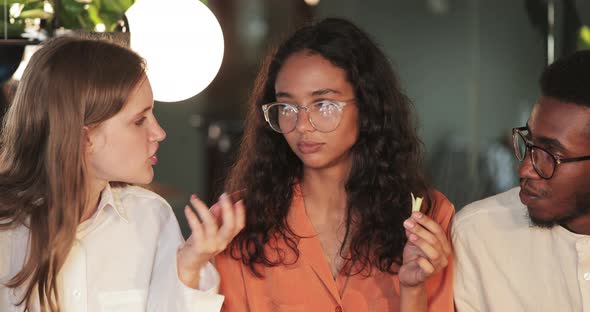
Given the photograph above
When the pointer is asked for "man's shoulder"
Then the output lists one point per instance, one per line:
(504, 209)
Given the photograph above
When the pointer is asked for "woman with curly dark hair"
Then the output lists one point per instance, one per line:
(328, 166)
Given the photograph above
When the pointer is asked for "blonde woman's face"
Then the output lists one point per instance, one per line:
(123, 148)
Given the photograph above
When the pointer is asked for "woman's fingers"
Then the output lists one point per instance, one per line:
(432, 253)
(218, 225)
(429, 230)
(228, 225)
(427, 268)
(216, 212)
(435, 229)
(194, 223)
(419, 230)
(435, 248)
(240, 216)
(208, 221)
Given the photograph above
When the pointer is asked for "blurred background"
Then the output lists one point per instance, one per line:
(471, 68)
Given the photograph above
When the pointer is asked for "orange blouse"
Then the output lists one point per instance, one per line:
(308, 285)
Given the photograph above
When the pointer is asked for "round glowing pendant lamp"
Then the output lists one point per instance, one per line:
(182, 43)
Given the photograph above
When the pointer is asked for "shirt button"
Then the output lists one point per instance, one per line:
(76, 293)
(338, 309)
(587, 276)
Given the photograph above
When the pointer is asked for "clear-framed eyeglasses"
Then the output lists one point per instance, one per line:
(324, 115)
(543, 161)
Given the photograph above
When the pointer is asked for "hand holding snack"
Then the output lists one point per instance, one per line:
(416, 203)
(427, 250)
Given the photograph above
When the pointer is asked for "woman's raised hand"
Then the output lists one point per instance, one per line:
(212, 231)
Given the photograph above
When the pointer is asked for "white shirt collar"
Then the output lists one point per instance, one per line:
(111, 197)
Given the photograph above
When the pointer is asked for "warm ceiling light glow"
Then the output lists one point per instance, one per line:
(29, 51)
(47, 7)
(182, 43)
(100, 27)
(15, 9)
(312, 2)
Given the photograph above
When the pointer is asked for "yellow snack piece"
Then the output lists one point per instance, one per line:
(416, 203)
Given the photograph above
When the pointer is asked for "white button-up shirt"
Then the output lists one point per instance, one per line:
(123, 259)
(502, 263)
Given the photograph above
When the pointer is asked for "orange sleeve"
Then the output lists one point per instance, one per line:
(440, 286)
(232, 283)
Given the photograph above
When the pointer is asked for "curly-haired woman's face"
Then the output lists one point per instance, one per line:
(307, 78)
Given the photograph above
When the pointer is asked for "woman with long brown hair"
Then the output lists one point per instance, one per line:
(327, 168)
(75, 234)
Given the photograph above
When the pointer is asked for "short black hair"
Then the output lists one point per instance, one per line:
(568, 79)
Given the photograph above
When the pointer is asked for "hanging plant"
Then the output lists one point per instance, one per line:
(92, 15)
(17, 15)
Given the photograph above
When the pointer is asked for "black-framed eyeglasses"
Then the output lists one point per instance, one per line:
(324, 115)
(543, 161)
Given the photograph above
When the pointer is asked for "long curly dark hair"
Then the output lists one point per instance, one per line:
(386, 163)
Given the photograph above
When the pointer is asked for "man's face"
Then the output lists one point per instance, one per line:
(564, 130)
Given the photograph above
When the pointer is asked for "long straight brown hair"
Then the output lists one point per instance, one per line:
(70, 83)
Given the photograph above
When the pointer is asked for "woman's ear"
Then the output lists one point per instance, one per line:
(87, 139)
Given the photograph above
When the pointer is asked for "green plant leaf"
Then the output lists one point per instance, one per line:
(116, 6)
(10, 2)
(33, 5)
(35, 13)
(14, 30)
(584, 38)
(110, 20)
(70, 12)
(75, 14)
(94, 16)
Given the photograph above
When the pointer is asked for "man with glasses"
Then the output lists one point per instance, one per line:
(528, 249)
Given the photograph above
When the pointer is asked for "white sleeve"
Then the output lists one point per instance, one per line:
(467, 283)
(5, 246)
(13, 249)
(167, 292)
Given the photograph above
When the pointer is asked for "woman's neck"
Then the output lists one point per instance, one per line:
(324, 193)
(95, 188)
